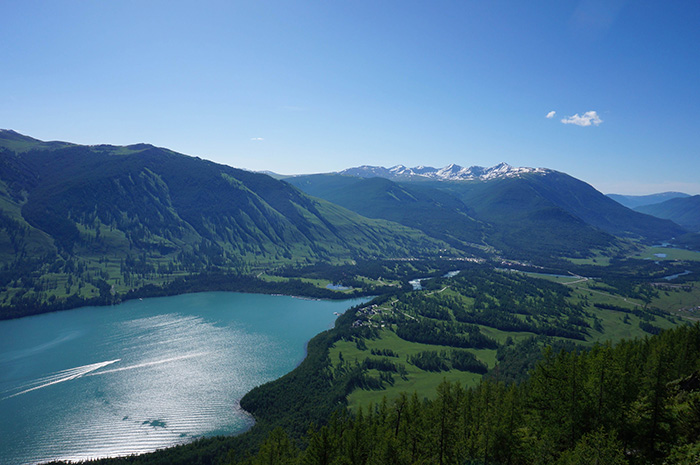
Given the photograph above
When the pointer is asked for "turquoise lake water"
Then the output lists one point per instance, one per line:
(143, 375)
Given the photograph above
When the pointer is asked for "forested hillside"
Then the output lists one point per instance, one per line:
(90, 224)
(635, 402)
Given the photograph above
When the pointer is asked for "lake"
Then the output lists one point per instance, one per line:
(132, 378)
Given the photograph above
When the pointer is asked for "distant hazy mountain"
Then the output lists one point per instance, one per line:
(524, 212)
(682, 210)
(634, 201)
(272, 174)
(448, 173)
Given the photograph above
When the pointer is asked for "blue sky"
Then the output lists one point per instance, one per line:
(317, 86)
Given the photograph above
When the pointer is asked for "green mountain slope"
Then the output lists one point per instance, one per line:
(430, 210)
(98, 221)
(553, 213)
(527, 225)
(684, 211)
(532, 193)
(535, 215)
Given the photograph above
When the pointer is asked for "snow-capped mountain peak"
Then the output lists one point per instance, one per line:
(451, 172)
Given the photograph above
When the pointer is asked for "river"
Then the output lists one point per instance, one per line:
(132, 378)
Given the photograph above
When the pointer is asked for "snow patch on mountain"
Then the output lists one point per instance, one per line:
(450, 172)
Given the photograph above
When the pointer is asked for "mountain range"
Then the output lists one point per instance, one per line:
(450, 172)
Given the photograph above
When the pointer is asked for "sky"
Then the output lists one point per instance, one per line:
(604, 90)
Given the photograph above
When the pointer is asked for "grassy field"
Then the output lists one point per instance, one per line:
(420, 381)
(557, 279)
(602, 258)
(598, 259)
(605, 325)
(676, 299)
(620, 325)
(681, 300)
(616, 326)
(320, 283)
(324, 283)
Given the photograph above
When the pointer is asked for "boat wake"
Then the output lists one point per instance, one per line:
(149, 364)
(87, 370)
(58, 377)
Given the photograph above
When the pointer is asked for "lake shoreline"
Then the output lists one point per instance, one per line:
(210, 282)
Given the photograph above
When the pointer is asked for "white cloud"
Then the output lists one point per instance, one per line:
(257, 139)
(589, 118)
(551, 114)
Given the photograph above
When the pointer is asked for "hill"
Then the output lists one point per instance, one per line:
(96, 222)
(682, 210)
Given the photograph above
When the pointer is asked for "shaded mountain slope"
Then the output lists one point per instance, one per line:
(525, 224)
(502, 199)
(430, 210)
(525, 213)
(588, 204)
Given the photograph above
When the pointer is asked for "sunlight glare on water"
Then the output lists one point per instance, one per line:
(98, 382)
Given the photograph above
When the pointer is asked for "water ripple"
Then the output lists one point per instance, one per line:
(146, 374)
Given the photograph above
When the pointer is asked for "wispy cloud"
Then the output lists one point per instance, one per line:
(257, 139)
(590, 118)
(551, 114)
